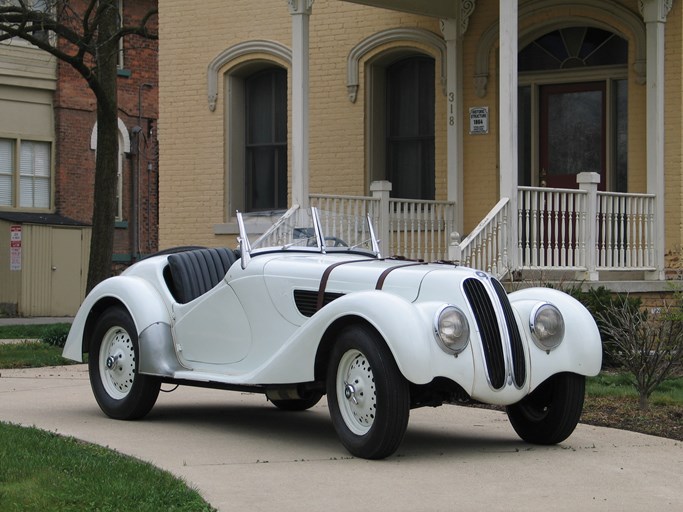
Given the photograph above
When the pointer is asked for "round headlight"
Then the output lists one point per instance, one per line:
(451, 329)
(547, 326)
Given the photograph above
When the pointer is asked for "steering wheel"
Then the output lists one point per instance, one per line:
(333, 241)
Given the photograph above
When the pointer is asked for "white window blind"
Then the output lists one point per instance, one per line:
(34, 172)
(6, 166)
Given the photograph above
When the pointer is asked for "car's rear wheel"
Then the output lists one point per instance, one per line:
(121, 392)
(550, 414)
(368, 397)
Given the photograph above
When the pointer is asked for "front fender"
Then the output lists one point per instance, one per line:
(408, 339)
(138, 296)
(581, 349)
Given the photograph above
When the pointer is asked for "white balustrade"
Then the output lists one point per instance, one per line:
(583, 230)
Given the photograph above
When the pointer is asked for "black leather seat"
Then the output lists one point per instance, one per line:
(195, 272)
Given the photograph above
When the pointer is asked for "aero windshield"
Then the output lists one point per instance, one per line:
(305, 230)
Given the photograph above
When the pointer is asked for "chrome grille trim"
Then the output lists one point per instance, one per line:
(501, 340)
(516, 344)
(492, 345)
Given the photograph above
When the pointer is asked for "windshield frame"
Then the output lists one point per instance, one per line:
(313, 236)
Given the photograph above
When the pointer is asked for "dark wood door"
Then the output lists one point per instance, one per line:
(572, 133)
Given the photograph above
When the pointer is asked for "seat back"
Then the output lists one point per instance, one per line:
(195, 272)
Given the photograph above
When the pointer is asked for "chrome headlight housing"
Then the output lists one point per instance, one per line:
(547, 326)
(452, 330)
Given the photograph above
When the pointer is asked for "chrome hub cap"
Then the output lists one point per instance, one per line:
(117, 363)
(356, 392)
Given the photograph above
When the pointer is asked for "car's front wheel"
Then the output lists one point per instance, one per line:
(368, 397)
(551, 412)
(121, 392)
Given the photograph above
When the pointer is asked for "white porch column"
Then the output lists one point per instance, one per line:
(453, 30)
(300, 11)
(454, 117)
(508, 34)
(654, 13)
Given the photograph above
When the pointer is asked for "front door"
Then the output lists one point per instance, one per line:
(572, 133)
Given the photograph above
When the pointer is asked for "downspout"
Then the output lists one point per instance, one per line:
(137, 138)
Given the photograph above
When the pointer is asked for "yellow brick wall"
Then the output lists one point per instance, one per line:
(192, 160)
(191, 137)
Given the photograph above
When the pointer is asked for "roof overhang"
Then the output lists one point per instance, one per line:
(433, 8)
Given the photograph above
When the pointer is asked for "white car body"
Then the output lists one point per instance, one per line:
(261, 328)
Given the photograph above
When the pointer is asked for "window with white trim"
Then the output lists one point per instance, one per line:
(25, 174)
(401, 112)
(256, 145)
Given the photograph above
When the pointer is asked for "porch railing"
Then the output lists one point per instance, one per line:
(486, 247)
(582, 230)
(412, 229)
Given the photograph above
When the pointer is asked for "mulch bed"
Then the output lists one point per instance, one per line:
(663, 420)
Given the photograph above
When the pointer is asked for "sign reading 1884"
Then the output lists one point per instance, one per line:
(479, 120)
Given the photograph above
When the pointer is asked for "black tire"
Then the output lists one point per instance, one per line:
(298, 404)
(121, 392)
(368, 397)
(550, 414)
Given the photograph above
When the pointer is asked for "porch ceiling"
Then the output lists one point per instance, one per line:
(434, 8)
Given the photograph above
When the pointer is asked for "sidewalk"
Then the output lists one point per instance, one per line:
(21, 320)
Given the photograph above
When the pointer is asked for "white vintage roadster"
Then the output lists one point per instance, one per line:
(297, 314)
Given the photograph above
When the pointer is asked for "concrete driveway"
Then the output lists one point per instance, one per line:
(243, 454)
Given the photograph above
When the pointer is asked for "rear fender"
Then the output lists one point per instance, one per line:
(146, 308)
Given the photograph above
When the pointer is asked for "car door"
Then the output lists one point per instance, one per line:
(212, 329)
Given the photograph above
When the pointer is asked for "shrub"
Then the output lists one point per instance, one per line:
(603, 305)
(647, 344)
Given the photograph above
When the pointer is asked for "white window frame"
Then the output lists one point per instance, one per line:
(124, 147)
(376, 114)
(18, 174)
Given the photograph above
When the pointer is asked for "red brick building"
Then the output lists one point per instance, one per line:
(48, 130)
(75, 127)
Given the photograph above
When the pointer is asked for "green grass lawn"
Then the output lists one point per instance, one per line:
(34, 354)
(42, 471)
(32, 331)
(620, 384)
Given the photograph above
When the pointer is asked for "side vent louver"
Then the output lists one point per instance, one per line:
(306, 300)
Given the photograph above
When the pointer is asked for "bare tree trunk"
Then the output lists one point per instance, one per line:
(104, 213)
